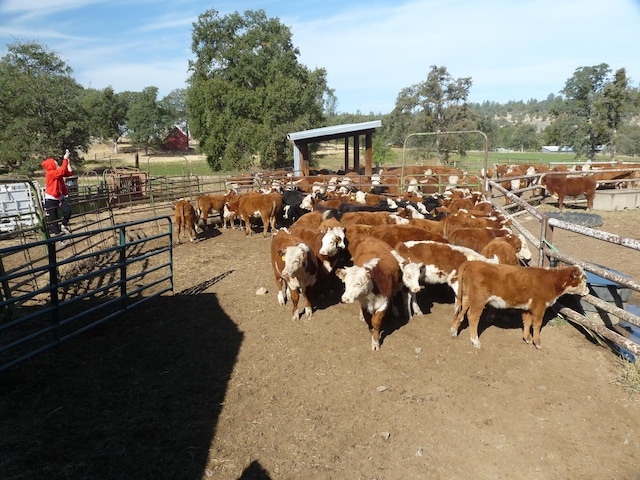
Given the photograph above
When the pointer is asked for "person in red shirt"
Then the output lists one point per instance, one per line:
(55, 194)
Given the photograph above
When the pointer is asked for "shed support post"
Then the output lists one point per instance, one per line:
(346, 154)
(368, 155)
(304, 159)
(356, 153)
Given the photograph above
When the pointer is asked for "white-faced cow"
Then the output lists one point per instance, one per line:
(439, 264)
(295, 268)
(373, 280)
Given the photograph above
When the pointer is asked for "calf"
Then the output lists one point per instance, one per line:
(186, 219)
(371, 218)
(327, 245)
(373, 280)
(475, 238)
(295, 269)
(439, 263)
(257, 205)
(530, 289)
(206, 204)
(392, 234)
(511, 249)
(564, 185)
(296, 204)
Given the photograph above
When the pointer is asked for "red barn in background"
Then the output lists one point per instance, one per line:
(177, 140)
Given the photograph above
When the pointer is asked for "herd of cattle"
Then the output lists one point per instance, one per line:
(382, 250)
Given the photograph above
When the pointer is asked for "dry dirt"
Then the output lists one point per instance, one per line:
(217, 381)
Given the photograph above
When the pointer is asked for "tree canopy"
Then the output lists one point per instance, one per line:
(41, 112)
(436, 105)
(248, 90)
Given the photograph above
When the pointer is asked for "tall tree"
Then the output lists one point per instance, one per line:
(40, 113)
(583, 92)
(147, 122)
(615, 102)
(438, 104)
(247, 90)
(107, 114)
(175, 106)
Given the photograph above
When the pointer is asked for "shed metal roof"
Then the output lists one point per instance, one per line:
(333, 132)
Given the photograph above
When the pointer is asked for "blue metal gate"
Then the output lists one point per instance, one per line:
(50, 292)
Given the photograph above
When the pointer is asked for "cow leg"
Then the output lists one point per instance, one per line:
(308, 309)
(281, 286)
(376, 322)
(536, 320)
(295, 298)
(179, 231)
(473, 316)
(412, 307)
(560, 201)
(462, 305)
(590, 202)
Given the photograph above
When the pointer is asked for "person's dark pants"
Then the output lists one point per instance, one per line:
(51, 210)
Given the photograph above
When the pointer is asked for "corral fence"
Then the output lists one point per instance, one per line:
(610, 311)
(50, 293)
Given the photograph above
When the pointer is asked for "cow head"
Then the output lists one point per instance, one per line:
(307, 202)
(576, 281)
(524, 253)
(411, 272)
(357, 281)
(333, 241)
(295, 260)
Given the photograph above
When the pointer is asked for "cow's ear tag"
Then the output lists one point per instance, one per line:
(283, 257)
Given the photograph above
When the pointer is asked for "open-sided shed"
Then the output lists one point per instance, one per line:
(301, 141)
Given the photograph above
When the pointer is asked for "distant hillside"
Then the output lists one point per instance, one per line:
(532, 111)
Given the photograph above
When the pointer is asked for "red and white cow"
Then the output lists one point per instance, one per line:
(439, 263)
(295, 268)
(207, 204)
(392, 234)
(371, 218)
(510, 249)
(327, 245)
(530, 289)
(256, 205)
(373, 280)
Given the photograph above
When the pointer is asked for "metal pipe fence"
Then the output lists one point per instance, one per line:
(57, 294)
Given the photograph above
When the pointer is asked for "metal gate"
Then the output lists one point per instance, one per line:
(51, 292)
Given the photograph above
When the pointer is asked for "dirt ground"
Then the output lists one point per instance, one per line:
(216, 381)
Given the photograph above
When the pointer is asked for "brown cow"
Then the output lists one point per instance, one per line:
(373, 280)
(392, 234)
(439, 263)
(564, 185)
(295, 269)
(505, 249)
(256, 205)
(186, 219)
(327, 246)
(530, 289)
(207, 204)
(371, 218)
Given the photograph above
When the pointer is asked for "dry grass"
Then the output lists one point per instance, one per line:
(629, 377)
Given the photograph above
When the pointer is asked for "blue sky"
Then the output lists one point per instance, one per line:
(512, 49)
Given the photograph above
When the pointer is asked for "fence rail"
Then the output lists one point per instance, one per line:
(543, 242)
(57, 294)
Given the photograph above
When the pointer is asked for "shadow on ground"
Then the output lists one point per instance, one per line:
(138, 397)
